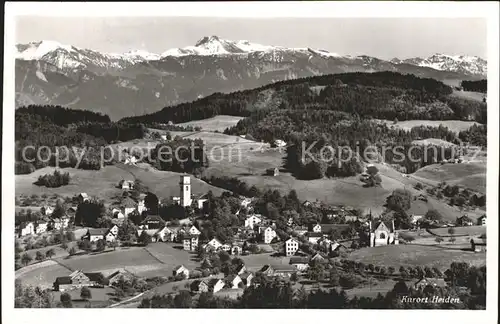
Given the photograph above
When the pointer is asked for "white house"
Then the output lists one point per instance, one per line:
(94, 234)
(181, 270)
(314, 237)
(291, 246)
(215, 285)
(253, 220)
(58, 223)
(301, 263)
(269, 234)
(481, 220)
(83, 197)
(110, 237)
(117, 213)
(41, 227)
(215, 244)
(280, 143)
(27, 229)
(126, 184)
(416, 218)
(316, 228)
(233, 281)
(47, 210)
(246, 202)
(382, 233)
(140, 206)
(194, 231)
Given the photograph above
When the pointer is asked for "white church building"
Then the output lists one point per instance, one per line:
(186, 198)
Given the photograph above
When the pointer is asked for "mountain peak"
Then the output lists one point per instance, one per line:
(36, 50)
(207, 39)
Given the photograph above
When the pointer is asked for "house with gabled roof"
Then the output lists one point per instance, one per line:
(482, 220)
(300, 263)
(126, 184)
(119, 275)
(433, 282)
(181, 269)
(153, 222)
(278, 270)
(233, 281)
(246, 278)
(190, 242)
(252, 220)
(382, 233)
(128, 205)
(269, 234)
(300, 230)
(318, 257)
(215, 285)
(291, 246)
(478, 244)
(215, 244)
(41, 226)
(316, 228)
(26, 228)
(83, 197)
(193, 230)
(47, 210)
(314, 237)
(95, 234)
(464, 220)
(199, 286)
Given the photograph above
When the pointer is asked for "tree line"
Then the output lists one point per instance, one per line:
(476, 86)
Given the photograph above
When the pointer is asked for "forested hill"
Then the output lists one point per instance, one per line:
(384, 95)
(64, 116)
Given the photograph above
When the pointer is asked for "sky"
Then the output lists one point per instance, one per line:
(384, 38)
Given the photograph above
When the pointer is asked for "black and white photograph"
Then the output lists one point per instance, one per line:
(293, 155)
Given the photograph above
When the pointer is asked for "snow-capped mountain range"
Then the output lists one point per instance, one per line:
(138, 81)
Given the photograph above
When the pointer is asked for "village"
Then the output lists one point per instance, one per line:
(293, 255)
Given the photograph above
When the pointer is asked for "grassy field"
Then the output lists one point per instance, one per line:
(453, 125)
(102, 182)
(433, 141)
(171, 257)
(470, 175)
(255, 262)
(43, 275)
(134, 259)
(217, 123)
(100, 297)
(413, 255)
(464, 230)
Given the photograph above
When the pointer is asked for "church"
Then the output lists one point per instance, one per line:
(382, 233)
(186, 198)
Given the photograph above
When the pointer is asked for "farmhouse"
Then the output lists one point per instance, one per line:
(278, 270)
(181, 270)
(246, 278)
(153, 222)
(300, 263)
(117, 213)
(194, 231)
(236, 249)
(59, 223)
(26, 229)
(382, 233)
(482, 220)
(215, 244)
(291, 246)
(314, 237)
(46, 210)
(199, 286)
(233, 281)
(464, 221)
(77, 279)
(478, 245)
(215, 285)
(94, 234)
(83, 197)
(415, 219)
(434, 282)
(253, 220)
(120, 275)
(41, 227)
(126, 184)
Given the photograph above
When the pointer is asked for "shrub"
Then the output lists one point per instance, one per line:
(57, 179)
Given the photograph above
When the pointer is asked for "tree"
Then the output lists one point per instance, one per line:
(127, 231)
(65, 299)
(85, 293)
(100, 245)
(439, 240)
(391, 270)
(433, 215)
(25, 259)
(451, 231)
(151, 203)
(39, 256)
(399, 200)
(113, 244)
(144, 238)
(72, 251)
(334, 277)
(183, 299)
(294, 277)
